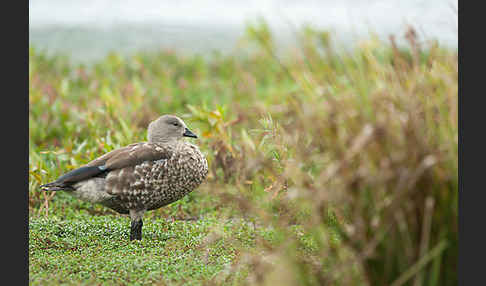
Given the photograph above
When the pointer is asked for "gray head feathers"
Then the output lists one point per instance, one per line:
(168, 128)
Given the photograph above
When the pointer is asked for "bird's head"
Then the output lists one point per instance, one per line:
(168, 128)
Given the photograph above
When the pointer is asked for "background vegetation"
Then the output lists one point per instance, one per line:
(326, 167)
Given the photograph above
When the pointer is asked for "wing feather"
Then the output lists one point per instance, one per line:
(128, 156)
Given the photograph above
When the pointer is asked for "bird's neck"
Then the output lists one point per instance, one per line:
(164, 141)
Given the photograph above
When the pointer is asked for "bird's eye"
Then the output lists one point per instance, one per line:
(175, 123)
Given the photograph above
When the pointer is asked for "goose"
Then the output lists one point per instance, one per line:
(142, 176)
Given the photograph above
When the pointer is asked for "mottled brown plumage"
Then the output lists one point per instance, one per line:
(141, 176)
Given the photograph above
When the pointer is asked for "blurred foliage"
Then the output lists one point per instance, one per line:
(344, 163)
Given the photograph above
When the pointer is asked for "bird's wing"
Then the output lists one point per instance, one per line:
(135, 155)
(127, 156)
(100, 161)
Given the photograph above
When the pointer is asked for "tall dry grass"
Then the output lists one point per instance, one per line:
(362, 156)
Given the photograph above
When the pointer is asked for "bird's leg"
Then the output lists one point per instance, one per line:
(136, 230)
(136, 224)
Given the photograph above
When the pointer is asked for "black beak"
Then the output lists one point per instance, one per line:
(188, 133)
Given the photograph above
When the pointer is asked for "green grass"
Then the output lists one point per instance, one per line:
(326, 167)
(96, 249)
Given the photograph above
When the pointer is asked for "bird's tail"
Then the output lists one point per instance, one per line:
(55, 186)
(66, 181)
